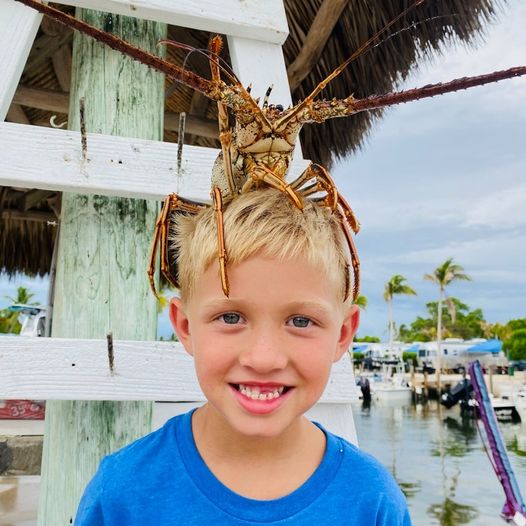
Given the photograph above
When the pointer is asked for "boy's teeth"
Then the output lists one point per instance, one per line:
(255, 392)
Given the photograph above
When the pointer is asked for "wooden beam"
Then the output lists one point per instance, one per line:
(319, 32)
(18, 27)
(116, 166)
(58, 102)
(61, 60)
(42, 99)
(37, 217)
(101, 259)
(195, 124)
(33, 197)
(17, 114)
(64, 368)
(251, 19)
(45, 47)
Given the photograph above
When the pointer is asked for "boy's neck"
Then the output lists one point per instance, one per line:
(294, 455)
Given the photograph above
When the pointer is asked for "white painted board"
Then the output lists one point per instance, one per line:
(47, 158)
(78, 369)
(18, 28)
(248, 18)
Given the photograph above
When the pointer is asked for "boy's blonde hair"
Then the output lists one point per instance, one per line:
(264, 220)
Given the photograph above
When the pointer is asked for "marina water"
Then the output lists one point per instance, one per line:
(438, 459)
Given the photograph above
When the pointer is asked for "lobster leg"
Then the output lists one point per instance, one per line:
(222, 256)
(355, 262)
(334, 198)
(262, 174)
(335, 201)
(225, 133)
(172, 204)
(158, 235)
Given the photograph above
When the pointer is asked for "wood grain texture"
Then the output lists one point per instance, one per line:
(16, 113)
(101, 264)
(63, 368)
(116, 166)
(319, 32)
(51, 100)
(248, 18)
(18, 28)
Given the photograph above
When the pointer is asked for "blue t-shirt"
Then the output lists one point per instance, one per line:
(162, 480)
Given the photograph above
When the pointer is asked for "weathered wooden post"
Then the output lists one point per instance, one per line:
(101, 283)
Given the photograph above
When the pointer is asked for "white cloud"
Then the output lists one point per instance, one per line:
(503, 209)
(492, 252)
(500, 276)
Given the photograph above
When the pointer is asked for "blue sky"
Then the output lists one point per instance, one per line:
(439, 178)
(446, 177)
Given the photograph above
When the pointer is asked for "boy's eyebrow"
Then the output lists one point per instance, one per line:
(293, 305)
(309, 304)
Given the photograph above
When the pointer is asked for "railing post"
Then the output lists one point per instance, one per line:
(101, 282)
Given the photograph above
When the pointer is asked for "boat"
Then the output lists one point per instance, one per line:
(462, 393)
(519, 399)
(391, 384)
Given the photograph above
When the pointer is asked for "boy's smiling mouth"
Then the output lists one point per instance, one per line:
(259, 392)
(260, 398)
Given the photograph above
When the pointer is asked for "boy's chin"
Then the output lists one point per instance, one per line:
(265, 427)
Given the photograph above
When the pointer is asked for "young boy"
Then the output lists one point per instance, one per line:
(263, 357)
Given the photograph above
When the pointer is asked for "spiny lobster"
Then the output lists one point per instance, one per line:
(259, 149)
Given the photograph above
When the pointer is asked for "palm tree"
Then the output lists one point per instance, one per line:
(361, 301)
(9, 321)
(23, 297)
(444, 275)
(396, 285)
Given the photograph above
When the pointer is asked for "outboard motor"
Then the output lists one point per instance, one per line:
(365, 387)
(461, 393)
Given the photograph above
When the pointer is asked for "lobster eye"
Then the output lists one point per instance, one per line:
(279, 107)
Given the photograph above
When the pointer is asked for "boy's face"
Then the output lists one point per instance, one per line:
(263, 355)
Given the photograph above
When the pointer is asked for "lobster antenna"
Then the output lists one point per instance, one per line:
(221, 63)
(362, 49)
(172, 71)
(342, 66)
(267, 95)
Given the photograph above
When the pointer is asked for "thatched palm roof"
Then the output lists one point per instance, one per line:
(323, 34)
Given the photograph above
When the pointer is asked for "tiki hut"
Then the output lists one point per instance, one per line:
(323, 34)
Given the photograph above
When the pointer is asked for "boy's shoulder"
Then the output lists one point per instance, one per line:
(156, 448)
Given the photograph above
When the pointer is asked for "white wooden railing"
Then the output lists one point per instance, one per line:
(37, 157)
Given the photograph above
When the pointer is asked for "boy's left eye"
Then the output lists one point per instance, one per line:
(300, 321)
(230, 318)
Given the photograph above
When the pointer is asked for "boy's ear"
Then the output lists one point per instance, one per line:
(347, 331)
(181, 324)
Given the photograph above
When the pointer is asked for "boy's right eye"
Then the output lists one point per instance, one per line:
(230, 318)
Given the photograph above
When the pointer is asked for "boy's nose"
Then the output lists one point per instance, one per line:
(264, 352)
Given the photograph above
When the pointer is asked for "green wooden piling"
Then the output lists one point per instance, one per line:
(101, 282)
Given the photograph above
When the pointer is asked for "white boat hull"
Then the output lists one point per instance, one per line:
(391, 394)
(520, 405)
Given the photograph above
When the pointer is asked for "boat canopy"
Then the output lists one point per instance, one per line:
(360, 348)
(413, 348)
(489, 346)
